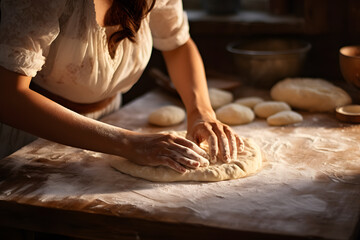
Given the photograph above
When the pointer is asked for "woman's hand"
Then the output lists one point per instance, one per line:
(223, 143)
(168, 150)
(187, 72)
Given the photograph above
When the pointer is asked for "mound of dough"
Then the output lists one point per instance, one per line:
(284, 118)
(314, 95)
(235, 114)
(248, 162)
(268, 108)
(167, 116)
(249, 101)
(219, 98)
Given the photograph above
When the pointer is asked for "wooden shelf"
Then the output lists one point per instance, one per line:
(244, 22)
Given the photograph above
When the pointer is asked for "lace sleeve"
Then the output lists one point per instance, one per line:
(27, 29)
(169, 24)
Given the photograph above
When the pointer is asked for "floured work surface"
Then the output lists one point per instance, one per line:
(309, 184)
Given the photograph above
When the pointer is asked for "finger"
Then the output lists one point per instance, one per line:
(213, 147)
(240, 143)
(198, 150)
(223, 144)
(187, 162)
(179, 151)
(232, 141)
(174, 154)
(168, 162)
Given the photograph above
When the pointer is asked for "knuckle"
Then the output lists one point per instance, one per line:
(188, 152)
(208, 126)
(223, 135)
(167, 137)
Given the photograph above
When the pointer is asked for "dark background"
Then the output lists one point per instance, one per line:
(327, 25)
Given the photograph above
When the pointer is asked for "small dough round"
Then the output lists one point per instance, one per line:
(268, 108)
(167, 116)
(284, 118)
(219, 98)
(314, 95)
(249, 101)
(235, 114)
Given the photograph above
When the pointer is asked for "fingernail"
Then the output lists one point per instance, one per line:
(205, 159)
(196, 164)
(242, 148)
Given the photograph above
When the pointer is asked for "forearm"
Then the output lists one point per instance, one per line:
(27, 110)
(51, 121)
(186, 70)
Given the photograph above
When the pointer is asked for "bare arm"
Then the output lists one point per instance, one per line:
(25, 109)
(187, 72)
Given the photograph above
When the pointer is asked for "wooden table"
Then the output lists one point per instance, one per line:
(309, 187)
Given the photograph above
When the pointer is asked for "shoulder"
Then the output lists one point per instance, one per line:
(166, 3)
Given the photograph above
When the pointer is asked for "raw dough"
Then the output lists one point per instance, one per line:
(315, 95)
(284, 118)
(167, 116)
(248, 162)
(249, 101)
(235, 114)
(268, 108)
(219, 98)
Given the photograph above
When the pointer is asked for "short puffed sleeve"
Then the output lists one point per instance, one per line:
(27, 29)
(169, 25)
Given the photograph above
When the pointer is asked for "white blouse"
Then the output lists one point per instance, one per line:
(60, 45)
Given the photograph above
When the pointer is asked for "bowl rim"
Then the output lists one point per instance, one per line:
(343, 114)
(346, 47)
(349, 110)
(230, 48)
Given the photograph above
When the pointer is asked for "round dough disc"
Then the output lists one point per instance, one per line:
(167, 116)
(249, 101)
(268, 108)
(235, 114)
(219, 98)
(284, 118)
(315, 95)
(248, 162)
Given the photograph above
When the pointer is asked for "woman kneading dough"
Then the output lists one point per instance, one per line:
(65, 63)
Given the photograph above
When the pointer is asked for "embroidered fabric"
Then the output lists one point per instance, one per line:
(26, 31)
(60, 45)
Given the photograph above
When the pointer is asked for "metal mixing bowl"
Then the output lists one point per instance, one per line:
(263, 62)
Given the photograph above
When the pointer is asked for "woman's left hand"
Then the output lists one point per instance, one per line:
(224, 143)
(187, 72)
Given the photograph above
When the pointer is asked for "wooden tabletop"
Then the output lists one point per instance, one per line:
(309, 187)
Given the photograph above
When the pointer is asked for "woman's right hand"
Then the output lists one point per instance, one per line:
(165, 149)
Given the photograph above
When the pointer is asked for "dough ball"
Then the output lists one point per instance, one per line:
(167, 116)
(268, 108)
(314, 95)
(248, 162)
(284, 118)
(249, 101)
(219, 97)
(235, 114)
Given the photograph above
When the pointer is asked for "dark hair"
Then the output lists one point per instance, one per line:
(128, 14)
